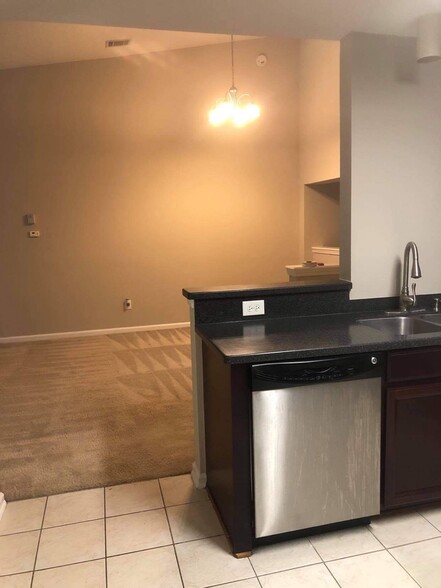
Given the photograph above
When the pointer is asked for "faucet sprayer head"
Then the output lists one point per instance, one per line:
(416, 270)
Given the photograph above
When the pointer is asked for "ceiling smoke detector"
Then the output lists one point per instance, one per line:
(117, 42)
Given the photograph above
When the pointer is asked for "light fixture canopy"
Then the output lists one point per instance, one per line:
(236, 109)
(429, 38)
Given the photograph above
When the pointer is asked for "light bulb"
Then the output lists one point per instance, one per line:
(245, 114)
(253, 111)
(221, 113)
(214, 116)
(235, 112)
(240, 116)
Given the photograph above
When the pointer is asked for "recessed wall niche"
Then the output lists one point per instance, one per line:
(322, 215)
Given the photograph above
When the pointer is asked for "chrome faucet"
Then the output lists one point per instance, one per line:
(408, 301)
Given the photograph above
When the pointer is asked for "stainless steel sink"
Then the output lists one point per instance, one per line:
(403, 326)
(432, 318)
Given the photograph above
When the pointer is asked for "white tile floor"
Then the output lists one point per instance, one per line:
(165, 534)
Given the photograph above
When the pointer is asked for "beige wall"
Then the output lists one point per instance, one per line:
(135, 194)
(391, 137)
(319, 110)
(319, 124)
(322, 216)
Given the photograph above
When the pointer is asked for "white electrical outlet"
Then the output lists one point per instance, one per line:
(33, 234)
(253, 307)
(128, 304)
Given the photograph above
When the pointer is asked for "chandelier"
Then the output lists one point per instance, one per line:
(238, 110)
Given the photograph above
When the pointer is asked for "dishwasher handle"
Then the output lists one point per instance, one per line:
(271, 376)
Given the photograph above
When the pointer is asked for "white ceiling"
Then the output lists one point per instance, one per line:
(326, 19)
(37, 43)
(60, 31)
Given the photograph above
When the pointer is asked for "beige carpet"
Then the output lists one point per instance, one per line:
(81, 413)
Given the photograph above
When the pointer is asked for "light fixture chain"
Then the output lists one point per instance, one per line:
(232, 108)
(232, 61)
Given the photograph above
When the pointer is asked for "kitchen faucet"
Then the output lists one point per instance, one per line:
(406, 300)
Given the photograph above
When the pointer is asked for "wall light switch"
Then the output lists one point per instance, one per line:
(30, 219)
(253, 307)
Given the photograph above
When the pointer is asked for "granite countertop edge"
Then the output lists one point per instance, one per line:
(238, 291)
(292, 354)
(286, 345)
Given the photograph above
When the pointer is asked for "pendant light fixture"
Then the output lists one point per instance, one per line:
(235, 109)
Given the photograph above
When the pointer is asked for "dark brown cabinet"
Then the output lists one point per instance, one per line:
(411, 436)
(412, 451)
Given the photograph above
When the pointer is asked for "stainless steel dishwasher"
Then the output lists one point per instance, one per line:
(316, 442)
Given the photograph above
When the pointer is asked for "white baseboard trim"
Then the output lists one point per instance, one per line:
(199, 479)
(2, 504)
(90, 333)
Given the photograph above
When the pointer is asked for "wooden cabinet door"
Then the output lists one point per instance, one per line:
(412, 467)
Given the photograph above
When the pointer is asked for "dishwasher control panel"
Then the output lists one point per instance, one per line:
(268, 376)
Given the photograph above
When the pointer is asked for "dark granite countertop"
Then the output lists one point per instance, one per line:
(279, 339)
(253, 290)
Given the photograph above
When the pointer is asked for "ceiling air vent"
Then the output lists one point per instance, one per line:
(117, 42)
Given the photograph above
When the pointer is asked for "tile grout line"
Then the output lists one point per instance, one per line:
(16, 574)
(401, 566)
(402, 544)
(336, 581)
(198, 538)
(413, 542)
(171, 535)
(66, 565)
(38, 543)
(20, 532)
(324, 563)
(226, 584)
(123, 514)
(355, 554)
(377, 538)
(251, 564)
(311, 565)
(139, 551)
(387, 551)
(317, 563)
(74, 523)
(160, 546)
(430, 523)
(105, 536)
(77, 563)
